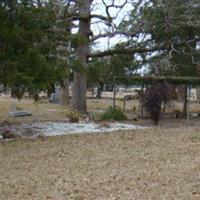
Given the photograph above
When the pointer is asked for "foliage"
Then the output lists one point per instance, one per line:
(175, 26)
(28, 43)
(97, 72)
(113, 114)
(102, 71)
(73, 116)
(122, 64)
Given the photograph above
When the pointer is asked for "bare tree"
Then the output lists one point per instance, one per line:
(111, 22)
(107, 26)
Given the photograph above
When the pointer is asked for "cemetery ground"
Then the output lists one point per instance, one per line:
(43, 111)
(155, 163)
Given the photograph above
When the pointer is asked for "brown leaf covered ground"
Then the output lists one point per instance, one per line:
(159, 163)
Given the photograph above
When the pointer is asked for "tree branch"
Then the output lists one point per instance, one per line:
(131, 51)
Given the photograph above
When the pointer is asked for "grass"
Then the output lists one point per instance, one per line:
(113, 114)
(40, 112)
(195, 138)
(53, 112)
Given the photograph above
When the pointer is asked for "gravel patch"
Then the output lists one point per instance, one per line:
(59, 128)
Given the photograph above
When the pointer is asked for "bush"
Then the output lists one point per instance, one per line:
(73, 116)
(154, 97)
(113, 114)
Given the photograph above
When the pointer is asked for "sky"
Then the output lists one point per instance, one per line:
(99, 8)
(98, 27)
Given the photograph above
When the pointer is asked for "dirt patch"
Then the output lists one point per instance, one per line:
(155, 163)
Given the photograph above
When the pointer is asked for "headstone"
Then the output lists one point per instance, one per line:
(98, 93)
(55, 98)
(20, 113)
(13, 107)
(194, 115)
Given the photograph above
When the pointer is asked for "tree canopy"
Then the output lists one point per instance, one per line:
(175, 24)
(29, 46)
(40, 39)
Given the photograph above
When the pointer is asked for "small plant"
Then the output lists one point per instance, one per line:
(195, 138)
(113, 114)
(6, 131)
(73, 116)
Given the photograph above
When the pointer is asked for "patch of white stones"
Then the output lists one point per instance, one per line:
(36, 129)
(60, 128)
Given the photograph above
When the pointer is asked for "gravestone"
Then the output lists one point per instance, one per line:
(98, 92)
(18, 113)
(55, 98)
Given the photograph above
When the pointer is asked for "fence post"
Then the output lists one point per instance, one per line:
(124, 104)
(188, 106)
(114, 94)
(142, 101)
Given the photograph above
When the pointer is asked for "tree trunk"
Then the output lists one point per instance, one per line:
(82, 51)
(79, 92)
(64, 93)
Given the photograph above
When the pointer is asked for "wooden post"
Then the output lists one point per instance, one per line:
(124, 104)
(114, 95)
(198, 93)
(185, 100)
(188, 102)
(142, 101)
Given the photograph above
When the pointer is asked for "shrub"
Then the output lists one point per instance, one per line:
(113, 114)
(73, 116)
(154, 97)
